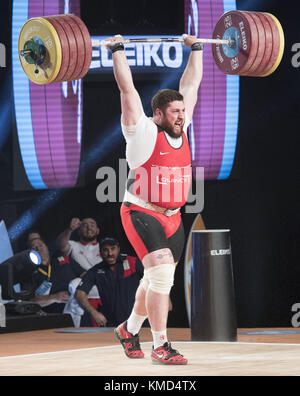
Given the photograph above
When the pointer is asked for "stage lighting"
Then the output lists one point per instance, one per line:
(19, 269)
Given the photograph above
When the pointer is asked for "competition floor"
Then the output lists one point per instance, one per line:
(270, 352)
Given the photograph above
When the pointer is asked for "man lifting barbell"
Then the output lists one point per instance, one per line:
(244, 43)
(158, 155)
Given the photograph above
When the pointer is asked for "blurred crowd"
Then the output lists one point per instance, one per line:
(85, 276)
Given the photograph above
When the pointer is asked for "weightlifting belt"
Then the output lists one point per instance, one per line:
(148, 205)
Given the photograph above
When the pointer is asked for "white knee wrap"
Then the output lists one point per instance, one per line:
(144, 282)
(161, 278)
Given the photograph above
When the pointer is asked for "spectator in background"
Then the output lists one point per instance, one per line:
(117, 279)
(32, 236)
(86, 251)
(35, 234)
(52, 277)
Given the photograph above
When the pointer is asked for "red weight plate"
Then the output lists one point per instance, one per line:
(254, 44)
(261, 44)
(268, 44)
(64, 46)
(72, 45)
(88, 45)
(235, 25)
(276, 44)
(80, 47)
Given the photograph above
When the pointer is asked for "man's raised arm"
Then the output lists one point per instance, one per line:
(192, 76)
(131, 104)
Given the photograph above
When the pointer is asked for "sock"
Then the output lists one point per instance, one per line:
(134, 323)
(159, 338)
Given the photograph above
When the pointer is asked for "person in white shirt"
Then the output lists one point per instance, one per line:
(86, 251)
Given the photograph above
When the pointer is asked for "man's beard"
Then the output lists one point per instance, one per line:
(169, 129)
(88, 239)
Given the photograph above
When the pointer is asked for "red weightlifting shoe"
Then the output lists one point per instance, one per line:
(130, 342)
(167, 355)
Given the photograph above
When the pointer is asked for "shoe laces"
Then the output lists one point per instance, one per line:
(173, 352)
(134, 343)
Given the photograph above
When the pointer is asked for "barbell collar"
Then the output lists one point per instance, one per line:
(25, 52)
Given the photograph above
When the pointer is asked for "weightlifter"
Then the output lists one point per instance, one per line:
(159, 159)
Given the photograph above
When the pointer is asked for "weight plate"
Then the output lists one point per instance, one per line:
(278, 45)
(234, 25)
(254, 44)
(65, 49)
(268, 44)
(88, 45)
(261, 43)
(46, 33)
(72, 45)
(80, 47)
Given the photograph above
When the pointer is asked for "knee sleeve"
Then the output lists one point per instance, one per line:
(161, 278)
(144, 282)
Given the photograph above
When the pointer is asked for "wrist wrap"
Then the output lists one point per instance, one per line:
(197, 46)
(117, 47)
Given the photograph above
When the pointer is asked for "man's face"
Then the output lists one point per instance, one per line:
(32, 236)
(173, 118)
(39, 246)
(110, 253)
(88, 230)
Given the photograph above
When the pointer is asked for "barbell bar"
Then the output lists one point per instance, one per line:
(59, 47)
(98, 43)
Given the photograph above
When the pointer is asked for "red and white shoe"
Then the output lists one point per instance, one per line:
(165, 354)
(130, 342)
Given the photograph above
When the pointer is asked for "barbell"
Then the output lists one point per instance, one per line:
(58, 48)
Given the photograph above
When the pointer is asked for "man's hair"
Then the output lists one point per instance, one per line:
(163, 97)
(90, 218)
(30, 240)
(109, 241)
